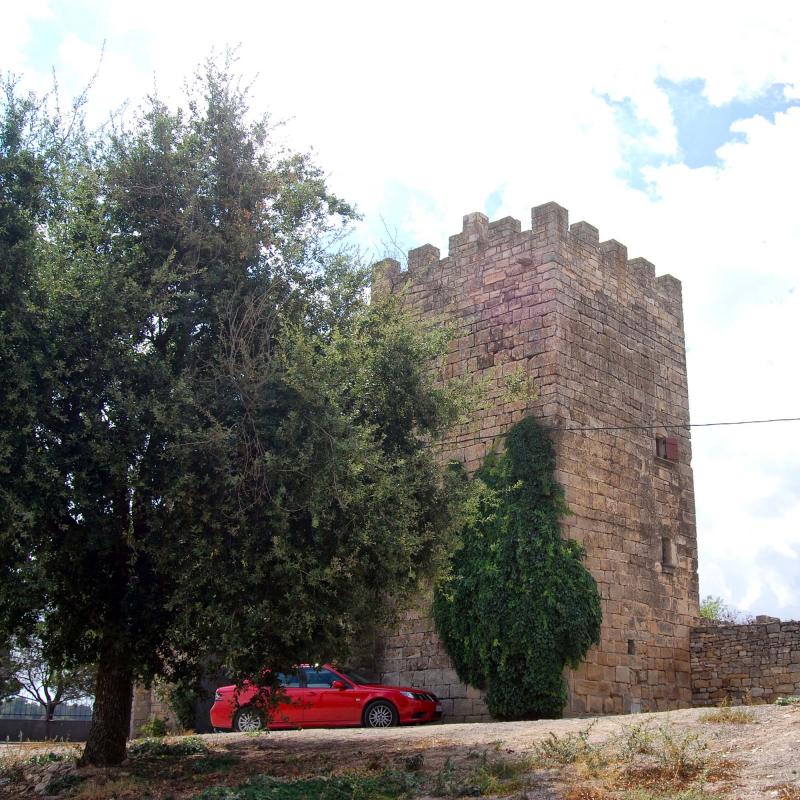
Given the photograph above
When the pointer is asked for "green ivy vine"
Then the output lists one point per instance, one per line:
(518, 605)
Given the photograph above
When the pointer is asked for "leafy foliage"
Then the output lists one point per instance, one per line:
(9, 685)
(518, 605)
(716, 610)
(212, 448)
(181, 695)
(153, 728)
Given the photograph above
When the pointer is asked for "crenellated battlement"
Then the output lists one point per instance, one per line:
(550, 238)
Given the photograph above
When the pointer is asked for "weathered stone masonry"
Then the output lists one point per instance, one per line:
(758, 662)
(601, 337)
(146, 705)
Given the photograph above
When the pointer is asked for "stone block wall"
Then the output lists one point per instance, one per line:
(601, 338)
(146, 705)
(413, 655)
(759, 662)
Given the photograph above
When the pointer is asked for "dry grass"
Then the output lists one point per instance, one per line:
(101, 789)
(16, 757)
(730, 715)
(727, 713)
(642, 763)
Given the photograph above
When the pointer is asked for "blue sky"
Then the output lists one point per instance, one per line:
(674, 130)
(701, 127)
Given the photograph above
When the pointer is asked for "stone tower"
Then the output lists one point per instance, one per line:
(601, 337)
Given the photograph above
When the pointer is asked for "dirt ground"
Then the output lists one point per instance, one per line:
(756, 760)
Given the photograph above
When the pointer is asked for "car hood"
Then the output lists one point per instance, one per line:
(395, 688)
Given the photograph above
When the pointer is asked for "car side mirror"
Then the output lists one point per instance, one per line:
(338, 685)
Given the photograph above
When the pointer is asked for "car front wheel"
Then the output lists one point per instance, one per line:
(248, 720)
(380, 714)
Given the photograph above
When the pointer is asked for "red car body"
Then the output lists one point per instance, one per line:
(324, 697)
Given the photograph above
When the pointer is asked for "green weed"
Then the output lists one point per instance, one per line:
(791, 700)
(40, 759)
(158, 748)
(62, 783)
(681, 754)
(153, 728)
(558, 751)
(636, 740)
(390, 785)
(212, 763)
(489, 776)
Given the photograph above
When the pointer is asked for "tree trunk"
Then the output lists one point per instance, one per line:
(111, 718)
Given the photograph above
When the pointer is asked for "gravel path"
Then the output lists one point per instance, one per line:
(766, 751)
(759, 759)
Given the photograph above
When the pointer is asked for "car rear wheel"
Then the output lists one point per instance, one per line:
(380, 714)
(248, 720)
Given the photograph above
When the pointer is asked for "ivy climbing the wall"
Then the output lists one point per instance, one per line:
(518, 605)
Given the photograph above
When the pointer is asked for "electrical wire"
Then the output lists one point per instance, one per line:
(686, 425)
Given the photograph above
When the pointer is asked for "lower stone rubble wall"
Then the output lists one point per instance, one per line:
(757, 662)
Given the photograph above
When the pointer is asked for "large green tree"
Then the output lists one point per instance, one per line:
(518, 605)
(220, 450)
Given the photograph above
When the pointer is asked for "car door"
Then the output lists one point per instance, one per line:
(290, 710)
(325, 705)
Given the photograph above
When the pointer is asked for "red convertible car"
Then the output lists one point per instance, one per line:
(324, 697)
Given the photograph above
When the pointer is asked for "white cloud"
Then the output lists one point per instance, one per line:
(18, 19)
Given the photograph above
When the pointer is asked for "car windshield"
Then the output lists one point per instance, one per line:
(354, 676)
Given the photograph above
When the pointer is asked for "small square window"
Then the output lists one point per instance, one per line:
(631, 647)
(667, 448)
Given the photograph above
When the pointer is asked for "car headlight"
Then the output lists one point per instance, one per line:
(217, 697)
(409, 695)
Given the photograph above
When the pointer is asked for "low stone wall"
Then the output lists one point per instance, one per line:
(759, 661)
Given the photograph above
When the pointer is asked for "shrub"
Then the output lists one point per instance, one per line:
(636, 740)
(182, 694)
(153, 728)
(518, 605)
(681, 754)
(558, 750)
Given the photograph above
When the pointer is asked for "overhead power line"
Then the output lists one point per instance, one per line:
(689, 425)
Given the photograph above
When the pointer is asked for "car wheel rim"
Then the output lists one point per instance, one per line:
(380, 716)
(249, 721)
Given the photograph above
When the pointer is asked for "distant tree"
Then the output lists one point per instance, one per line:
(214, 449)
(46, 685)
(715, 609)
